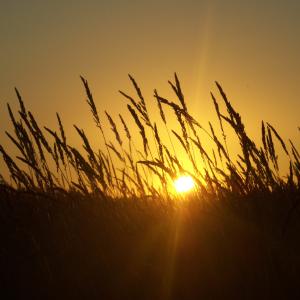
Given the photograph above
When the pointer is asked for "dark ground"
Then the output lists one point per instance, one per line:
(73, 247)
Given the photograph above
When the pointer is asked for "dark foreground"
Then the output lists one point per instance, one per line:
(70, 247)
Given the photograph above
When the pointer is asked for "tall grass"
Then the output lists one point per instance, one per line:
(127, 167)
(65, 236)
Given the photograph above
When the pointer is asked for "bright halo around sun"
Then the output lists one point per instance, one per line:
(184, 184)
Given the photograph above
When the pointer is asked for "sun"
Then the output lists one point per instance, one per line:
(184, 184)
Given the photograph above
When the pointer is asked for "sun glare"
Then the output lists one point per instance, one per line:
(184, 184)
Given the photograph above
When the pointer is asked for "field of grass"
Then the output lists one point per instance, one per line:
(107, 224)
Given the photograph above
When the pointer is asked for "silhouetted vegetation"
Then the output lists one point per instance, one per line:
(106, 223)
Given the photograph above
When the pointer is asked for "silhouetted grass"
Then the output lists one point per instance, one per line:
(96, 225)
(123, 170)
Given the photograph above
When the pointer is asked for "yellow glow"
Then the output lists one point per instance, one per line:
(184, 184)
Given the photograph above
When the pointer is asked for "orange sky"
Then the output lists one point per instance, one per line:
(251, 47)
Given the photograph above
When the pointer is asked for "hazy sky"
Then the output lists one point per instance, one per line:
(251, 47)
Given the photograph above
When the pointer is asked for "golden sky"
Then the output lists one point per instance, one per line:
(251, 47)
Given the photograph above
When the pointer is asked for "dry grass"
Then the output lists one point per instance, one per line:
(103, 223)
(100, 171)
